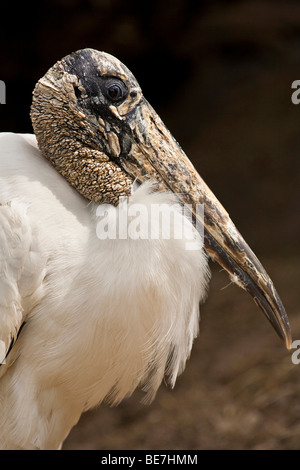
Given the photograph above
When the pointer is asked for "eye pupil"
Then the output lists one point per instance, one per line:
(114, 92)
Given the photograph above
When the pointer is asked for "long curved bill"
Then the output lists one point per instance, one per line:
(155, 154)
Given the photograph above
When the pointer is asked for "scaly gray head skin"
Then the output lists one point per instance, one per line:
(93, 123)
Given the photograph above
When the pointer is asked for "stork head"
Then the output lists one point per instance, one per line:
(93, 123)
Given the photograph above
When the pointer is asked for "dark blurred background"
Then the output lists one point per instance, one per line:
(219, 74)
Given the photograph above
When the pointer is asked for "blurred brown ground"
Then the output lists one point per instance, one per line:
(220, 76)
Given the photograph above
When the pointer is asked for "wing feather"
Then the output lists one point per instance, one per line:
(15, 248)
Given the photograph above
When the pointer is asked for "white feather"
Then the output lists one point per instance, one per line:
(102, 316)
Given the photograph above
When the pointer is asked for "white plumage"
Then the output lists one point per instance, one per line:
(86, 302)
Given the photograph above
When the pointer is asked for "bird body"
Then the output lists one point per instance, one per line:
(85, 302)
(86, 317)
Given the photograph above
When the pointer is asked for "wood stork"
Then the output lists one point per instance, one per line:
(85, 319)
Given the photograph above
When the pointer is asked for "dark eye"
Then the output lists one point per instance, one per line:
(114, 90)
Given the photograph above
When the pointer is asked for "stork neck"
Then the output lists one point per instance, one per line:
(67, 140)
